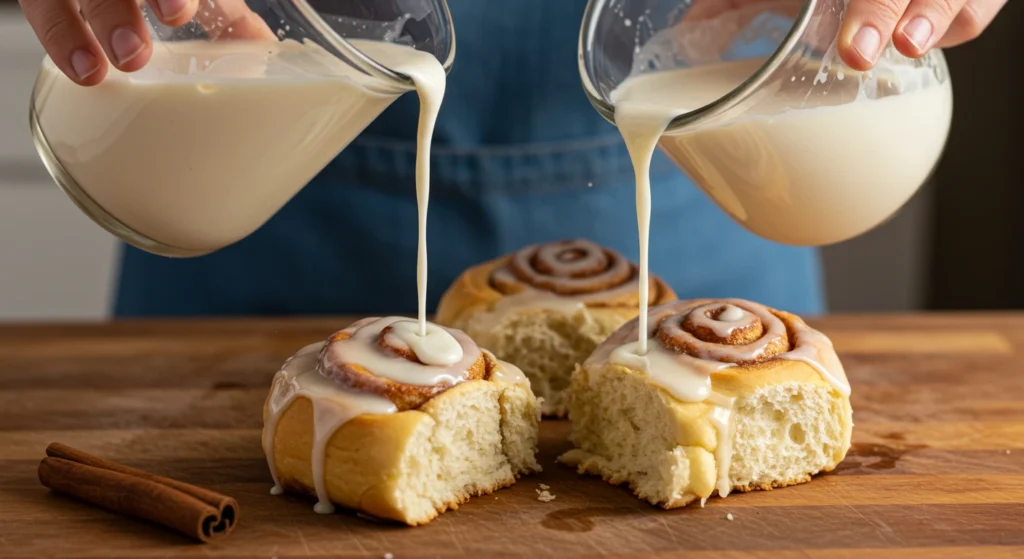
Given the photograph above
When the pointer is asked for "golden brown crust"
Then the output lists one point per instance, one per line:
(367, 457)
(694, 430)
(759, 344)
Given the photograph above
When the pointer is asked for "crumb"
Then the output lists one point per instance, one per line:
(545, 496)
(389, 556)
(1007, 451)
(545, 486)
(729, 517)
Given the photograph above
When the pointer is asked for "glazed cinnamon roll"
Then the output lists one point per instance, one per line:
(388, 421)
(546, 307)
(717, 396)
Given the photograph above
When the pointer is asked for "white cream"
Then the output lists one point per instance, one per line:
(814, 348)
(687, 376)
(732, 314)
(362, 349)
(429, 78)
(332, 407)
(312, 373)
(800, 176)
(441, 356)
(721, 418)
(433, 347)
(641, 125)
(684, 375)
(202, 146)
(804, 176)
(507, 372)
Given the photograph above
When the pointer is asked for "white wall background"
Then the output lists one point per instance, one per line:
(56, 265)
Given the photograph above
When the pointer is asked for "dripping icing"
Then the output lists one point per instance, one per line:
(688, 378)
(332, 408)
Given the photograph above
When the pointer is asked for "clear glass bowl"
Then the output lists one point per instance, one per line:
(202, 146)
(794, 145)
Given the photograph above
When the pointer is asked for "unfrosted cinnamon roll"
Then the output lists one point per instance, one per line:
(398, 425)
(546, 307)
(727, 395)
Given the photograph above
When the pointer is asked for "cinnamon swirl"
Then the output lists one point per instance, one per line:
(546, 307)
(398, 425)
(730, 395)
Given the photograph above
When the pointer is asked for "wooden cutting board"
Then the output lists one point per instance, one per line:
(936, 469)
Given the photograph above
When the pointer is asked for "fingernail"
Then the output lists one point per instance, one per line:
(84, 63)
(126, 44)
(867, 42)
(170, 9)
(919, 32)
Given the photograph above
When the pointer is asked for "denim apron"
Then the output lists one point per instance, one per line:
(519, 157)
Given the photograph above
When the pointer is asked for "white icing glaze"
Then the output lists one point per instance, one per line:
(688, 377)
(439, 350)
(309, 373)
(725, 327)
(732, 314)
(362, 348)
(434, 346)
(808, 345)
(641, 126)
(721, 418)
(332, 407)
(815, 349)
(507, 372)
(429, 78)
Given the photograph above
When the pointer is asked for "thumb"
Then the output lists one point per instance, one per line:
(867, 28)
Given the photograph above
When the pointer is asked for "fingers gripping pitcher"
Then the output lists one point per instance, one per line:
(235, 112)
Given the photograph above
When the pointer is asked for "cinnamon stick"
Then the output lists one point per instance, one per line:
(199, 513)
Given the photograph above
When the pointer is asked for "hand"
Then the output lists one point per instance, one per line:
(914, 25)
(80, 42)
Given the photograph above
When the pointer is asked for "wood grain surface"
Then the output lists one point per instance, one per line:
(936, 469)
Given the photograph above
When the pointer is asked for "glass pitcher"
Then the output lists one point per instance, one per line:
(769, 122)
(202, 146)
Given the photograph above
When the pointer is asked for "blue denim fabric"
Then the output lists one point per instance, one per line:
(519, 157)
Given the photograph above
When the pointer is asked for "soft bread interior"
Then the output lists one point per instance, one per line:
(410, 466)
(546, 343)
(785, 434)
(786, 426)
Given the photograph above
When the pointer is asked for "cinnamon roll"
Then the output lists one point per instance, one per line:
(729, 395)
(546, 307)
(396, 424)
